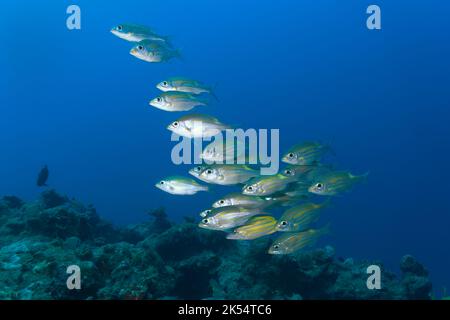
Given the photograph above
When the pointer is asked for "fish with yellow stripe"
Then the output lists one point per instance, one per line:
(294, 241)
(226, 174)
(300, 217)
(243, 200)
(255, 228)
(335, 183)
(298, 190)
(228, 217)
(267, 185)
(307, 153)
(297, 171)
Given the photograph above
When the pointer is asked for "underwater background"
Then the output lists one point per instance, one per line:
(77, 101)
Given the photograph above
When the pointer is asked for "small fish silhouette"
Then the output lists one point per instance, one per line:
(42, 177)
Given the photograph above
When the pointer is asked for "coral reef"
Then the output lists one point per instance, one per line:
(162, 260)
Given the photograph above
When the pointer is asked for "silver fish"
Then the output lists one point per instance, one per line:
(307, 153)
(254, 228)
(291, 242)
(227, 174)
(228, 217)
(184, 85)
(239, 199)
(300, 218)
(197, 170)
(136, 33)
(197, 126)
(267, 185)
(298, 189)
(177, 101)
(297, 171)
(154, 51)
(335, 183)
(180, 186)
(219, 151)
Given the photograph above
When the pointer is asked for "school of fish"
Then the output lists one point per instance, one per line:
(243, 215)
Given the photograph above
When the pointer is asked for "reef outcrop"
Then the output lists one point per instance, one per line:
(159, 259)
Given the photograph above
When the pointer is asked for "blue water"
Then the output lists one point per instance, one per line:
(78, 102)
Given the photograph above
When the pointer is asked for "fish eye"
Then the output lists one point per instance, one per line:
(221, 201)
(319, 186)
(175, 124)
(249, 188)
(288, 172)
(209, 171)
(158, 99)
(140, 47)
(283, 223)
(198, 168)
(291, 155)
(205, 221)
(164, 83)
(161, 182)
(119, 28)
(276, 247)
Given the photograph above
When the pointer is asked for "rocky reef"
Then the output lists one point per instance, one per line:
(161, 260)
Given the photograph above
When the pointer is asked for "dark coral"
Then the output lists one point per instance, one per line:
(51, 199)
(415, 278)
(12, 202)
(161, 260)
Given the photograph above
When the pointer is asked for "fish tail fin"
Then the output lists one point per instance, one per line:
(360, 178)
(324, 230)
(329, 149)
(207, 188)
(205, 101)
(310, 236)
(212, 92)
(308, 218)
(365, 175)
(177, 54)
(234, 236)
(324, 204)
(327, 146)
(286, 201)
(167, 40)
